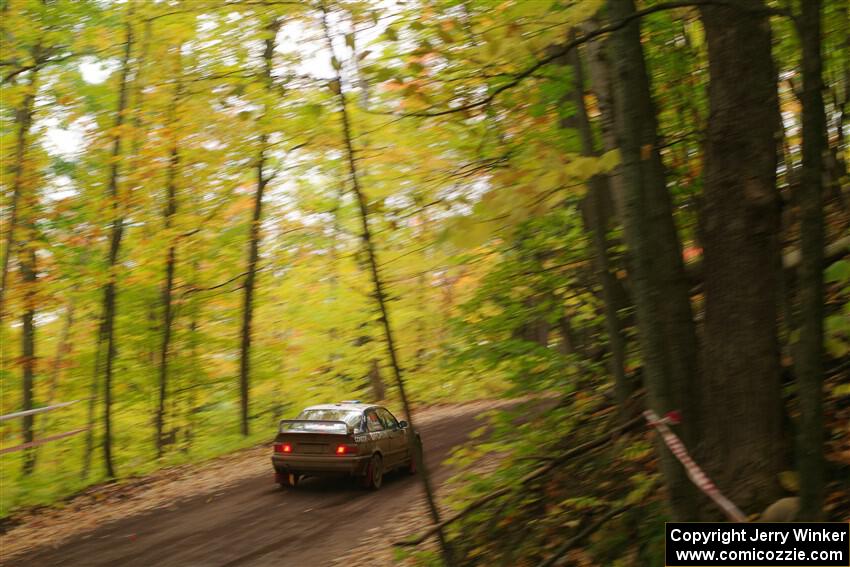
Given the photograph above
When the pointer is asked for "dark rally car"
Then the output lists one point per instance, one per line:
(348, 438)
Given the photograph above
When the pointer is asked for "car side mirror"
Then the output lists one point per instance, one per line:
(402, 424)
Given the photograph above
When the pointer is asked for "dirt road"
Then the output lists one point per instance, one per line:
(253, 523)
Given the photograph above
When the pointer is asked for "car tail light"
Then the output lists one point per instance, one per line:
(346, 449)
(282, 448)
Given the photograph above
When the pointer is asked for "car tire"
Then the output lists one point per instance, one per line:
(411, 468)
(374, 476)
(289, 480)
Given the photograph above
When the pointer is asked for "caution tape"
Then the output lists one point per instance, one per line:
(697, 476)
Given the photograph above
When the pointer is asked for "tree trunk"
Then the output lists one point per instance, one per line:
(809, 351)
(116, 234)
(599, 70)
(29, 279)
(380, 296)
(375, 382)
(661, 291)
(254, 242)
(91, 410)
(567, 346)
(598, 194)
(598, 56)
(194, 355)
(740, 390)
(100, 343)
(24, 120)
(170, 259)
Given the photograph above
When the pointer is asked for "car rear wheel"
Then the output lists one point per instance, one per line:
(374, 473)
(288, 480)
(412, 467)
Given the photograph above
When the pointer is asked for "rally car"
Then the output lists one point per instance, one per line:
(348, 438)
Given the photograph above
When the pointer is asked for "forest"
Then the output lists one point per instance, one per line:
(217, 212)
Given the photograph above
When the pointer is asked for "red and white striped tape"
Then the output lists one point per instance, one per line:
(697, 476)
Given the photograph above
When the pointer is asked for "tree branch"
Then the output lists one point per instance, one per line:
(586, 37)
(537, 473)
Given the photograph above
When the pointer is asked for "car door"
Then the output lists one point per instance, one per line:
(395, 435)
(379, 435)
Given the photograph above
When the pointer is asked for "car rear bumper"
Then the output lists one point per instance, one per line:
(320, 464)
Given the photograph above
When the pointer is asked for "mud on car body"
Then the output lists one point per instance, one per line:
(347, 439)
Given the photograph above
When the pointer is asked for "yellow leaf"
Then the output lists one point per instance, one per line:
(609, 160)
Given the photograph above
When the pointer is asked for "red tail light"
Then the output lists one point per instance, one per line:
(282, 448)
(346, 450)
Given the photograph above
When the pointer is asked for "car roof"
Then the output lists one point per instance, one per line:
(345, 406)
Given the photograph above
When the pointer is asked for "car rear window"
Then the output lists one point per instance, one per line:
(350, 417)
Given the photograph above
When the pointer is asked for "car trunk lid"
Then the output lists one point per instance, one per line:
(308, 437)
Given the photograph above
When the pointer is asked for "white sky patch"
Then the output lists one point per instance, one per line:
(206, 23)
(95, 71)
(61, 187)
(310, 46)
(64, 142)
(69, 142)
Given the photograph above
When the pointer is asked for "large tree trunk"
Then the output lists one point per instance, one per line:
(254, 243)
(740, 389)
(170, 258)
(107, 333)
(809, 351)
(660, 288)
(597, 219)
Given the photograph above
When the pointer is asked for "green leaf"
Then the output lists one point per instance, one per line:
(837, 324)
(390, 34)
(839, 272)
